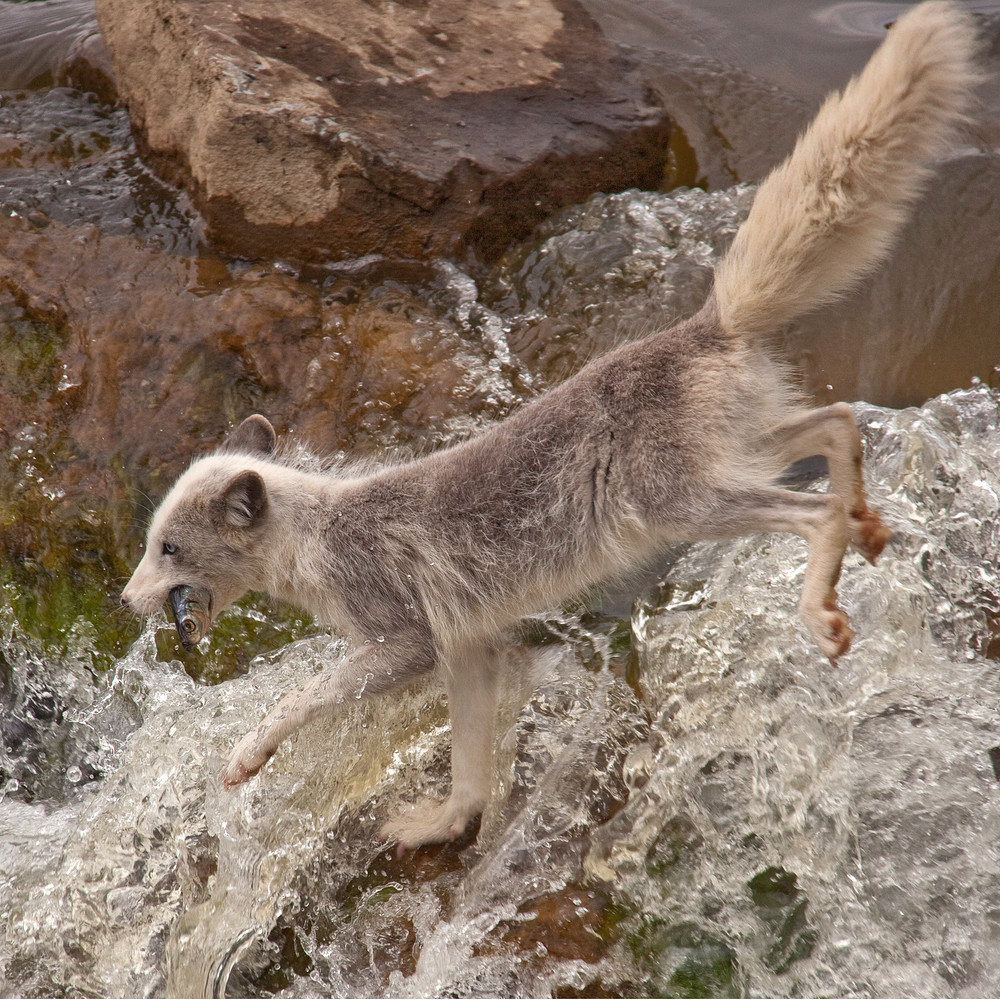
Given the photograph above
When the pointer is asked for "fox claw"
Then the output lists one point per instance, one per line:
(868, 534)
(236, 774)
(429, 823)
(246, 760)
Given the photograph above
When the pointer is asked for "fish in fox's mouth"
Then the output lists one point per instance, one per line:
(191, 608)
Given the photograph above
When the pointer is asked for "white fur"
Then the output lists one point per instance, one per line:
(829, 214)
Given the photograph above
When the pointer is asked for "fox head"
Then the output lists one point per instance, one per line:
(210, 528)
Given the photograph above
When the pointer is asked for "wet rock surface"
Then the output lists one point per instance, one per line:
(105, 400)
(333, 128)
(127, 346)
(48, 41)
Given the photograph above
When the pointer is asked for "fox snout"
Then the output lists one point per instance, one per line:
(146, 591)
(143, 605)
(133, 602)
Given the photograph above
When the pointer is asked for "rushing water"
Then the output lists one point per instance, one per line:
(689, 800)
(700, 803)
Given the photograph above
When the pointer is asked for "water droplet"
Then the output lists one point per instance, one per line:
(74, 775)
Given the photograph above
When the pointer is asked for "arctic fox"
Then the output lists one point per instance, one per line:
(677, 437)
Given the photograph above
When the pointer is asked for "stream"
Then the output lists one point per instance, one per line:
(688, 799)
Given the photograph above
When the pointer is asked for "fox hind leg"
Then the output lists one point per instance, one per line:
(822, 522)
(832, 431)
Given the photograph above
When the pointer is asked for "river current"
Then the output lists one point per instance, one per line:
(691, 801)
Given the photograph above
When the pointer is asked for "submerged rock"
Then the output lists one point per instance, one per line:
(118, 363)
(331, 128)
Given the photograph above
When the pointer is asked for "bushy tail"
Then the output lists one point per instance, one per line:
(830, 212)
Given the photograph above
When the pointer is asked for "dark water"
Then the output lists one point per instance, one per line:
(691, 803)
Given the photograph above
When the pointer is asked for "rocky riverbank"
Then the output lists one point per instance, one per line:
(323, 130)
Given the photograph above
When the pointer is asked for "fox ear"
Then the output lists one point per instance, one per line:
(255, 436)
(243, 501)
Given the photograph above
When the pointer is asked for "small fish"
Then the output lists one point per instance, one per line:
(191, 608)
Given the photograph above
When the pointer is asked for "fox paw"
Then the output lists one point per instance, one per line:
(246, 760)
(868, 534)
(428, 822)
(831, 631)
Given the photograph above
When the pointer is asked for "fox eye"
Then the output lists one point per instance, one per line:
(169, 550)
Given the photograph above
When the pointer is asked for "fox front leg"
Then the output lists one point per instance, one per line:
(355, 677)
(471, 677)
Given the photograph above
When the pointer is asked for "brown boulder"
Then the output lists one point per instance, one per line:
(326, 128)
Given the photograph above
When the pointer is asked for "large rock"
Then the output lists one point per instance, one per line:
(325, 128)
